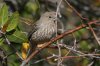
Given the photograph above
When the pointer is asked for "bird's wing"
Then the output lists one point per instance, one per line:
(31, 42)
(34, 28)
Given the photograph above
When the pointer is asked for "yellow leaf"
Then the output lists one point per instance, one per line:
(24, 50)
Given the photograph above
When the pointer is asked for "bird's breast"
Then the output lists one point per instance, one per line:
(44, 33)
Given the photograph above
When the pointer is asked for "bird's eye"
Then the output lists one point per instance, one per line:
(50, 17)
(54, 21)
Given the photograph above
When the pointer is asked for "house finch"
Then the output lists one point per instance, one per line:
(43, 30)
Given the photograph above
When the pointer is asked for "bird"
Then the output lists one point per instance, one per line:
(43, 30)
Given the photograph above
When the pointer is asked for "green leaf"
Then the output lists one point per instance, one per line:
(1, 41)
(84, 45)
(83, 32)
(18, 37)
(32, 7)
(14, 19)
(3, 15)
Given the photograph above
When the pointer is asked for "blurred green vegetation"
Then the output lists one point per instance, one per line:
(10, 14)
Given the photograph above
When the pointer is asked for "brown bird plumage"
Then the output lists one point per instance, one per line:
(43, 30)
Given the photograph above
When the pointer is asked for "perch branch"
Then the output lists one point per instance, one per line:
(56, 38)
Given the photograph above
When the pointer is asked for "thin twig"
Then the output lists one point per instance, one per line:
(45, 59)
(74, 41)
(75, 11)
(8, 42)
(85, 55)
(59, 49)
(91, 63)
(94, 35)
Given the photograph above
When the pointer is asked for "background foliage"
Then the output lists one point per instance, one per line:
(16, 17)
